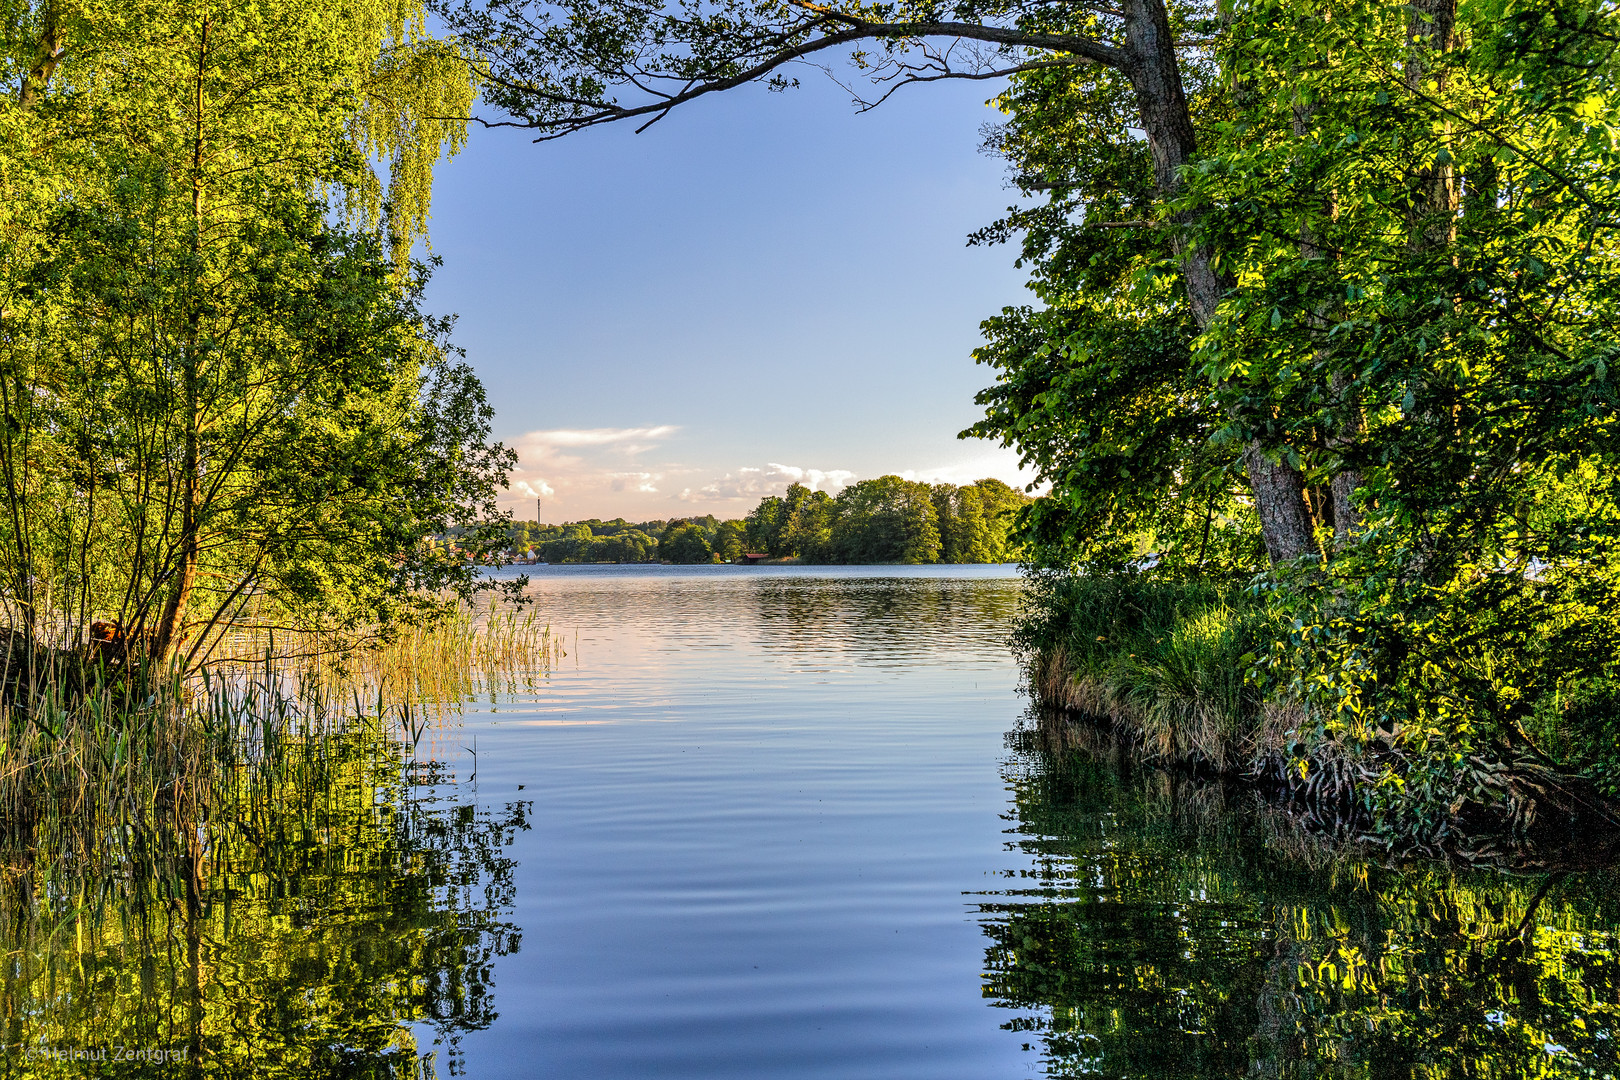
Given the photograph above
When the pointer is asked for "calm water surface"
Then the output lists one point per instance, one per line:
(774, 823)
(762, 803)
(800, 824)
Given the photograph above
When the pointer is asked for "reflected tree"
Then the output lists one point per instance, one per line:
(330, 921)
(1162, 931)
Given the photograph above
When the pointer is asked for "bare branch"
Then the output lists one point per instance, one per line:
(559, 104)
(909, 78)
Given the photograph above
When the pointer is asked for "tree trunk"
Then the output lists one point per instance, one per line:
(46, 58)
(1431, 24)
(1279, 497)
(171, 629)
(1155, 75)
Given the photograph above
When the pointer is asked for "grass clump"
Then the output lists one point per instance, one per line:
(439, 665)
(1162, 659)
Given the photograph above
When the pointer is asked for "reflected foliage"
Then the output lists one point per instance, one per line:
(336, 918)
(1168, 928)
(880, 618)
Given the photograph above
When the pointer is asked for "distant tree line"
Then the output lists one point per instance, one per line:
(886, 520)
(889, 520)
(679, 540)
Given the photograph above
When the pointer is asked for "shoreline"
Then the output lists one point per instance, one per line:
(1537, 818)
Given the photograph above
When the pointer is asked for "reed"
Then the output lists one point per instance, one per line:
(453, 659)
(211, 863)
(86, 747)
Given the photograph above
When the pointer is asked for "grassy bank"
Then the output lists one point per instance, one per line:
(1163, 661)
(1170, 665)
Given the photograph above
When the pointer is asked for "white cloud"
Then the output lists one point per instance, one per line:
(755, 483)
(644, 482)
(1000, 463)
(594, 437)
(583, 472)
(538, 489)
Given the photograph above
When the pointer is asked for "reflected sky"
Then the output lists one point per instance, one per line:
(752, 860)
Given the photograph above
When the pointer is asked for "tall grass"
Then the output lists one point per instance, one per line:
(86, 747)
(1163, 660)
(438, 666)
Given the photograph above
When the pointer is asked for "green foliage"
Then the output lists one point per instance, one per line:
(1579, 722)
(1453, 351)
(730, 541)
(590, 541)
(766, 527)
(224, 405)
(976, 522)
(890, 520)
(686, 543)
(1096, 387)
(1411, 212)
(887, 520)
(811, 516)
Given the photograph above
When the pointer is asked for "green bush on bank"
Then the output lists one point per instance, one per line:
(1164, 658)
(1218, 674)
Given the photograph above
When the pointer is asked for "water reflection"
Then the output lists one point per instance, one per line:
(821, 611)
(1165, 928)
(335, 919)
(894, 620)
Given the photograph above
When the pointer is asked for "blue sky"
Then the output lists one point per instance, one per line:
(762, 287)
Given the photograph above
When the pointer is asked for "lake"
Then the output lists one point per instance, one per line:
(798, 822)
(763, 800)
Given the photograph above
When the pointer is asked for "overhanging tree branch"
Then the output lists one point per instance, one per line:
(555, 71)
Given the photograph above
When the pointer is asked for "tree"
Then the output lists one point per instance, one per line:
(766, 527)
(1456, 298)
(687, 542)
(1096, 385)
(886, 520)
(976, 521)
(730, 540)
(809, 528)
(225, 406)
(559, 67)
(1410, 202)
(983, 522)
